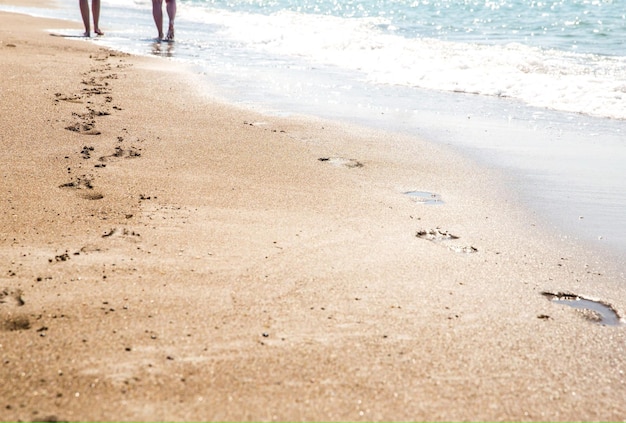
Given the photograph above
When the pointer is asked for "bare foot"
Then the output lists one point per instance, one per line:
(98, 31)
(170, 33)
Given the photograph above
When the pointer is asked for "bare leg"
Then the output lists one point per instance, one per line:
(157, 13)
(171, 13)
(84, 11)
(95, 10)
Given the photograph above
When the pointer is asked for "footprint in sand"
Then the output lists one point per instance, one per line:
(592, 310)
(11, 297)
(96, 113)
(91, 82)
(124, 233)
(84, 128)
(96, 91)
(341, 162)
(10, 301)
(86, 122)
(435, 235)
(86, 152)
(70, 99)
(439, 236)
(84, 188)
(424, 197)
(120, 152)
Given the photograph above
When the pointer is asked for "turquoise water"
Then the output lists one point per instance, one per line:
(535, 88)
(577, 25)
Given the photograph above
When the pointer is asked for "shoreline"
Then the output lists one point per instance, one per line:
(172, 258)
(565, 166)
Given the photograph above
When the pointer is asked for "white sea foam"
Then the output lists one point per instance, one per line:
(585, 83)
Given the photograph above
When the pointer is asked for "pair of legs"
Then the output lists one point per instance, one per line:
(95, 10)
(157, 13)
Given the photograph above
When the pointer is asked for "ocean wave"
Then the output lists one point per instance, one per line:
(574, 82)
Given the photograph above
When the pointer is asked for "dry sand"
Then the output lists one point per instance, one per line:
(167, 257)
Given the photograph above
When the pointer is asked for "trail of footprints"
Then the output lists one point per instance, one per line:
(595, 311)
(96, 95)
(99, 150)
(96, 152)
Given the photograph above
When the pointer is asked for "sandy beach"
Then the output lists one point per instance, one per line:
(166, 257)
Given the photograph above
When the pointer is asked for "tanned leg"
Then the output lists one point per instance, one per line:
(157, 13)
(95, 10)
(84, 11)
(171, 13)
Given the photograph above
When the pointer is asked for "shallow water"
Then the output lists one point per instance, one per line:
(601, 313)
(423, 197)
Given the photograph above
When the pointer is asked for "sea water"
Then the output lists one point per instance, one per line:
(535, 88)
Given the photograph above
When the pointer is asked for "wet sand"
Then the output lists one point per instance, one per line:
(167, 257)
